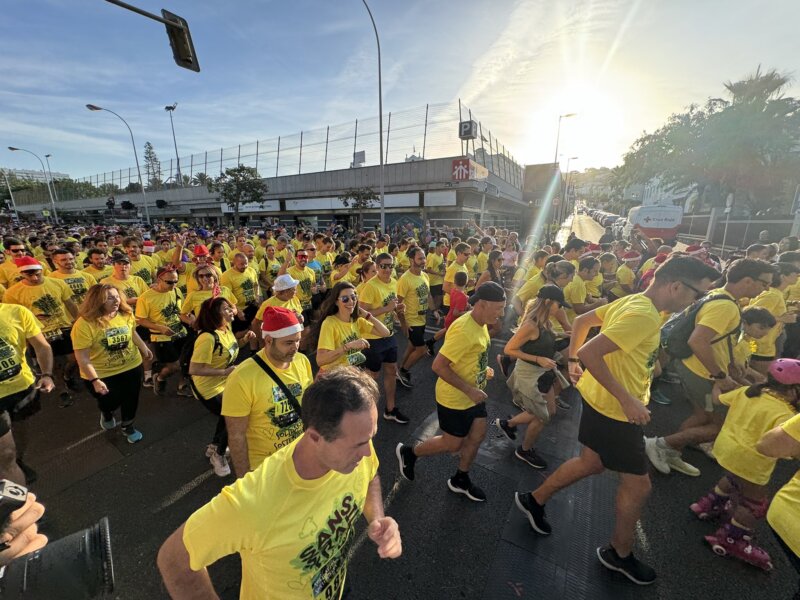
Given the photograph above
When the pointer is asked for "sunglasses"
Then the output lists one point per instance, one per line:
(348, 299)
(697, 293)
(170, 281)
(16, 250)
(386, 266)
(205, 275)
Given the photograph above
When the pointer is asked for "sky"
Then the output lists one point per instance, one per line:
(276, 67)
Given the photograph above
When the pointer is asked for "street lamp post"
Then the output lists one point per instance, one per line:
(380, 116)
(94, 108)
(555, 157)
(170, 110)
(564, 202)
(50, 173)
(44, 172)
(11, 193)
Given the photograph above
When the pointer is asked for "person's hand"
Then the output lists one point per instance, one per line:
(489, 373)
(386, 534)
(637, 413)
(250, 335)
(400, 307)
(180, 240)
(392, 304)
(147, 354)
(789, 317)
(545, 363)
(575, 371)
(167, 331)
(100, 387)
(727, 384)
(477, 395)
(46, 384)
(229, 370)
(20, 534)
(359, 344)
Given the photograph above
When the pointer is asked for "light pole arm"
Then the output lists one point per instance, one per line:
(47, 183)
(380, 115)
(138, 169)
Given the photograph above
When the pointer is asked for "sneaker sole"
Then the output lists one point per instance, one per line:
(104, 428)
(405, 384)
(611, 567)
(395, 419)
(463, 492)
(649, 450)
(685, 471)
(496, 423)
(526, 461)
(400, 461)
(529, 516)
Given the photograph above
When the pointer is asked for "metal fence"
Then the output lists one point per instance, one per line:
(429, 131)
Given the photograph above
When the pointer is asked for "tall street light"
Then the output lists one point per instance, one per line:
(44, 172)
(380, 115)
(94, 107)
(11, 193)
(50, 173)
(170, 110)
(564, 202)
(555, 157)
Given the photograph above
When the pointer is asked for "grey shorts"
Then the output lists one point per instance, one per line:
(525, 391)
(696, 389)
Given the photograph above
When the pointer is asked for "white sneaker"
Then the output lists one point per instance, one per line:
(708, 449)
(220, 465)
(676, 463)
(656, 455)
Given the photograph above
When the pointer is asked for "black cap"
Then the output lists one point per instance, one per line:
(489, 291)
(553, 292)
(574, 244)
(119, 257)
(341, 259)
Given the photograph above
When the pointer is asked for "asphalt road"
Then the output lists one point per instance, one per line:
(453, 548)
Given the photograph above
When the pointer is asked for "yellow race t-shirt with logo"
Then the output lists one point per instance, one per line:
(110, 344)
(747, 420)
(784, 510)
(144, 268)
(163, 308)
(723, 317)
(45, 301)
(17, 325)
(378, 294)
(450, 277)
(775, 302)
(306, 278)
(218, 353)
(403, 263)
(594, 286)
(272, 422)
(99, 274)
(292, 304)
(466, 347)
(625, 276)
(243, 285)
(529, 290)
(270, 269)
(335, 333)
(634, 325)
(132, 287)
(191, 304)
(293, 534)
(414, 290)
(79, 282)
(435, 263)
(483, 262)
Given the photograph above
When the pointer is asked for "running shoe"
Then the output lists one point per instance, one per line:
(507, 430)
(657, 455)
(148, 382)
(70, 383)
(630, 566)
(107, 423)
(461, 484)
(431, 344)
(530, 457)
(660, 398)
(395, 415)
(404, 377)
(220, 465)
(406, 459)
(534, 511)
(132, 434)
(185, 391)
(65, 400)
(707, 448)
(676, 463)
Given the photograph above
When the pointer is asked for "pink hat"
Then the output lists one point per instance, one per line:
(280, 322)
(26, 263)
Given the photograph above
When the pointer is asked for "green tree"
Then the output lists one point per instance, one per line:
(358, 200)
(152, 168)
(238, 186)
(200, 179)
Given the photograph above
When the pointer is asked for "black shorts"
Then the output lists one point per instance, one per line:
(380, 351)
(416, 335)
(144, 333)
(62, 345)
(436, 291)
(168, 352)
(458, 422)
(619, 444)
(18, 407)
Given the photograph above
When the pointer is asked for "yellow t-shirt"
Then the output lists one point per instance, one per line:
(270, 268)
(45, 301)
(292, 304)
(99, 274)
(747, 420)
(297, 244)
(466, 346)
(451, 255)
(335, 333)
(243, 285)
(307, 279)
(293, 534)
(110, 345)
(219, 353)
(325, 259)
(594, 286)
(144, 268)
(634, 325)
(272, 422)
(784, 510)
(414, 290)
(743, 350)
(434, 262)
(378, 294)
(165, 256)
(792, 293)
(775, 302)
(450, 277)
(625, 276)
(191, 304)
(281, 255)
(132, 287)
(647, 265)
(163, 308)
(17, 325)
(79, 282)
(2, 291)
(9, 274)
(575, 293)
(403, 263)
(483, 262)
(529, 290)
(721, 316)
(472, 271)
(533, 271)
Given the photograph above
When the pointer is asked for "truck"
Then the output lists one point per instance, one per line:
(655, 220)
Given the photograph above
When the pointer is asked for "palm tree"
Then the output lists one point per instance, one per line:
(200, 179)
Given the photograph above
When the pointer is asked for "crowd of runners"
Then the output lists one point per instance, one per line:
(297, 339)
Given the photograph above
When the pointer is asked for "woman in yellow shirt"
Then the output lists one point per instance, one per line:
(109, 354)
(207, 278)
(365, 272)
(753, 411)
(771, 345)
(343, 327)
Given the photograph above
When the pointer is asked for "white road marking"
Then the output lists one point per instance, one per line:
(183, 490)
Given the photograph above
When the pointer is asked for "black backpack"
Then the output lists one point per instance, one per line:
(676, 331)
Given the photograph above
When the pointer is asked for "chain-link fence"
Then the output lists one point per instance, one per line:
(429, 131)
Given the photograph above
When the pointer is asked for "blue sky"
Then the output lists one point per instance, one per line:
(273, 67)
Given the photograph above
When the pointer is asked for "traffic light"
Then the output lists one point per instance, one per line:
(181, 41)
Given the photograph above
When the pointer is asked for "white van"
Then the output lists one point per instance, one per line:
(655, 220)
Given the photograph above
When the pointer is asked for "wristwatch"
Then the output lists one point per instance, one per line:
(574, 360)
(720, 375)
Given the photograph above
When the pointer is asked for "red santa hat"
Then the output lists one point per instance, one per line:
(27, 263)
(280, 322)
(200, 250)
(591, 250)
(660, 258)
(632, 256)
(694, 250)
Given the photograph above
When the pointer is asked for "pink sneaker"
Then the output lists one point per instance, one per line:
(710, 507)
(725, 542)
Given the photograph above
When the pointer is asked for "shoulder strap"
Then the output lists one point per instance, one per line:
(284, 388)
(732, 331)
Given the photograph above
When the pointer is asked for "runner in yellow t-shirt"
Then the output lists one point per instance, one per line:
(413, 289)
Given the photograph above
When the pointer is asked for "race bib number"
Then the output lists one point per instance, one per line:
(10, 365)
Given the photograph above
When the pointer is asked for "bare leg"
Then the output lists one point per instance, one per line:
(439, 444)
(632, 494)
(575, 469)
(390, 384)
(477, 432)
